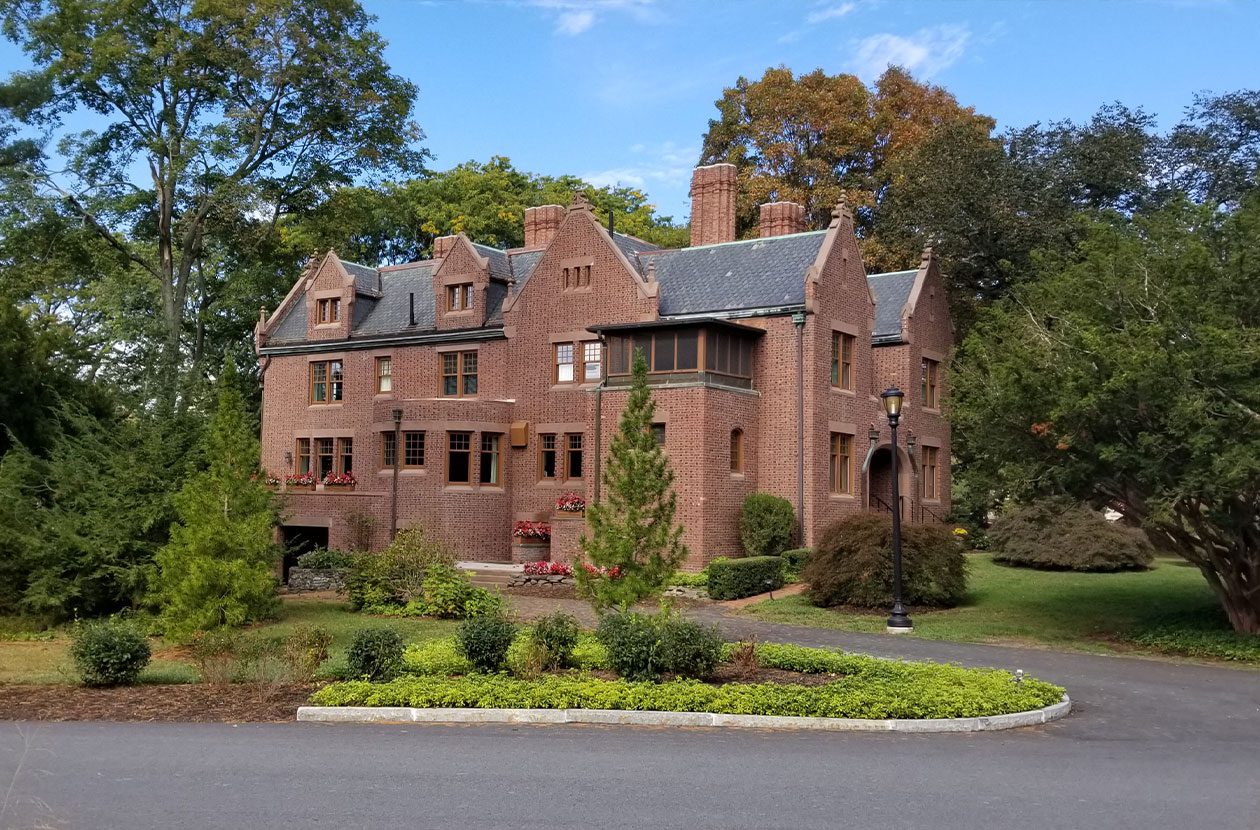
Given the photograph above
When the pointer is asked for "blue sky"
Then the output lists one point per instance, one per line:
(622, 90)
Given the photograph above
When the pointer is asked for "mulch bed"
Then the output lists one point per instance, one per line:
(189, 702)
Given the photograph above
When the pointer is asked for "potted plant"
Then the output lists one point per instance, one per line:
(571, 503)
(300, 481)
(342, 481)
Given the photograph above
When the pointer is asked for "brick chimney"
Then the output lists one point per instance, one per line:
(442, 246)
(713, 191)
(541, 225)
(781, 219)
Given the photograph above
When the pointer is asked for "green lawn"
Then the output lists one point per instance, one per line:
(45, 658)
(1166, 610)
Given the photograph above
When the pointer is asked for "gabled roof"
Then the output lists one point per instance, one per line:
(730, 276)
(891, 291)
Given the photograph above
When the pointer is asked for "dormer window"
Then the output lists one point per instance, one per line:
(459, 297)
(329, 310)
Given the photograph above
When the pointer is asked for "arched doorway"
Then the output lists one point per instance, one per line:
(879, 489)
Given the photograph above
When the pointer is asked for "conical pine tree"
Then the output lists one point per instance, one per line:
(219, 567)
(631, 538)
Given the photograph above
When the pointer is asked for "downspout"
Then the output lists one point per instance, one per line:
(393, 495)
(798, 320)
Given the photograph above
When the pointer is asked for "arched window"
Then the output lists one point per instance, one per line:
(737, 451)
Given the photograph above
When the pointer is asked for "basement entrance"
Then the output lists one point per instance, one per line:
(298, 540)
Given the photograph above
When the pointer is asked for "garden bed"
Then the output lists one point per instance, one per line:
(188, 702)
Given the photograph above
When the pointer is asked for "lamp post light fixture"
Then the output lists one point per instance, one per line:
(898, 621)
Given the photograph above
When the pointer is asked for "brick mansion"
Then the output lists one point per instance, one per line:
(468, 391)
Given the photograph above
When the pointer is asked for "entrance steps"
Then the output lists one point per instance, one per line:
(490, 574)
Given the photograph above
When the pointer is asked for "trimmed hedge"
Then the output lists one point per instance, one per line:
(766, 524)
(852, 564)
(1054, 535)
(797, 557)
(739, 578)
(871, 688)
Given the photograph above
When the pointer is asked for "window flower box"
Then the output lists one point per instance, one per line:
(300, 481)
(531, 532)
(340, 481)
(571, 503)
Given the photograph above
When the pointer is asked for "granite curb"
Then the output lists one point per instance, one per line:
(403, 714)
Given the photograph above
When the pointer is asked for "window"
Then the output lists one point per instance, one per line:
(326, 381)
(490, 457)
(303, 456)
(592, 361)
(930, 390)
(547, 457)
(579, 276)
(324, 458)
(564, 363)
(345, 455)
(573, 456)
(384, 374)
(459, 457)
(329, 310)
(413, 449)
(840, 476)
(388, 448)
(842, 360)
(459, 374)
(459, 297)
(737, 451)
(930, 455)
(658, 432)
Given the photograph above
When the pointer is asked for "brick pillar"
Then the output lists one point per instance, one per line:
(713, 190)
(541, 225)
(781, 218)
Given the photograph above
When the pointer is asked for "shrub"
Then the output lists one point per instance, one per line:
(688, 648)
(485, 641)
(630, 640)
(305, 648)
(395, 575)
(796, 558)
(690, 579)
(554, 636)
(375, 654)
(214, 653)
(326, 559)
(109, 653)
(744, 659)
(852, 564)
(1057, 535)
(738, 578)
(766, 524)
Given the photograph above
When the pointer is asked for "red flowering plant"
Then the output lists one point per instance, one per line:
(300, 479)
(272, 481)
(612, 573)
(570, 503)
(339, 480)
(535, 531)
(545, 568)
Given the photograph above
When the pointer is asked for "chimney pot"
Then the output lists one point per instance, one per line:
(541, 225)
(781, 218)
(713, 190)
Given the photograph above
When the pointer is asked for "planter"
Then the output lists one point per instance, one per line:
(338, 488)
(299, 488)
(563, 515)
(530, 550)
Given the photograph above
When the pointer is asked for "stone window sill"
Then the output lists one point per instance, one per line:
(847, 497)
(840, 390)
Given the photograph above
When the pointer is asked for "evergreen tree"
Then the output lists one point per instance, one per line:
(219, 567)
(632, 544)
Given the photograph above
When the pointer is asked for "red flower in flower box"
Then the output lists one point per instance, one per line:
(532, 531)
(570, 503)
(339, 480)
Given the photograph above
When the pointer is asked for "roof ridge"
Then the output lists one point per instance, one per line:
(893, 273)
(733, 242)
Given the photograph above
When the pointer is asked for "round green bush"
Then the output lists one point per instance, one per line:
(555, 636)
(766, 524)
(1055, 535)
(852, 564)
(630, 640)
(688, 648)
(109, 653)
(375, 654)
(644, 647)
(485, 640)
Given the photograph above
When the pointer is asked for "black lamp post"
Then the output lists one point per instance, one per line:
(899, 621)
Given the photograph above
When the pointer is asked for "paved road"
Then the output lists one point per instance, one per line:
(1151, 745)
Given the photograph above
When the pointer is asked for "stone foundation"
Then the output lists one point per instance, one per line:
(529, 552)
(302, 580)
(518, 580)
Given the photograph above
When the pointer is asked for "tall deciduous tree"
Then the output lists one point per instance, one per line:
(219, 567)
(817, 139)
(631, 538)
(230, 109)
(1125, 374)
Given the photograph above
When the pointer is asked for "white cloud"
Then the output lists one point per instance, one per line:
(575, 22)
(925, 52)
(666, 165)
(830, 13)
(573, 17)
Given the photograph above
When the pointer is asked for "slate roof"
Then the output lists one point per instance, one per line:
(631, 247)
(523, 264)
(391, 313)
(500, 267)
(891, 292)
(731, 276)
(365, 278)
